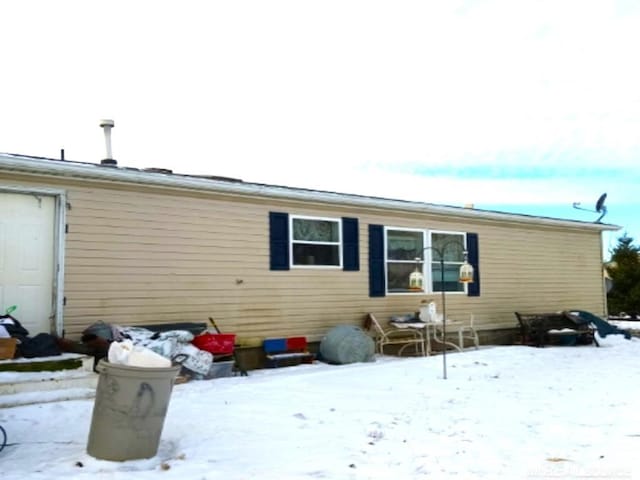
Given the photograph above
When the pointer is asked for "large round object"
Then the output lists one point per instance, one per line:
(347, 344)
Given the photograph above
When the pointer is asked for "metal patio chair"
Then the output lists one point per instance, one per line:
(402, 337)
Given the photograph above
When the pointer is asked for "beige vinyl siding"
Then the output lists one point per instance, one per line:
(142, 254)
(137, 257)
(525, 268)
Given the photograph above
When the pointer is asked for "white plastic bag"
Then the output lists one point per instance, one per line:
(126, 353)
(195, 359)
(4, 333)
(429, 313)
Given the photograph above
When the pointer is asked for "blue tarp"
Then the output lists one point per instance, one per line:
(604, 327)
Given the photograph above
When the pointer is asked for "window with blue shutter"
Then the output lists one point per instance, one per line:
(313, 242)
(389, 271)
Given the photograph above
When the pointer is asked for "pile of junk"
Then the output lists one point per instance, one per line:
(202, 353)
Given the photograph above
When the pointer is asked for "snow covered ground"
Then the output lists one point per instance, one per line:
(503, 412)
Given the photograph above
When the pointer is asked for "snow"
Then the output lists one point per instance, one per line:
(503, 412)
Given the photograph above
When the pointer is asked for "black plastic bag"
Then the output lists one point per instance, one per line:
(42, 345)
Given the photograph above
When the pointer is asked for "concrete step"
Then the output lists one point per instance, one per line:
(31, 398)
(29, 381)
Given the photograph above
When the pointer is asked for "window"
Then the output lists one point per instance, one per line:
(402, 249)
(451, 246)
(408, 249)
(315, 241)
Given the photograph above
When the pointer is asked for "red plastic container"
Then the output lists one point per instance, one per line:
(216, 343)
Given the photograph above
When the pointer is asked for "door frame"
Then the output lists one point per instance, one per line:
(59, 222)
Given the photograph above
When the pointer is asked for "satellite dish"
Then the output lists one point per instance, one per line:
(600, 208)
(600, 203)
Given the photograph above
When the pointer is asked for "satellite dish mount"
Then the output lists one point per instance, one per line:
(600, 207)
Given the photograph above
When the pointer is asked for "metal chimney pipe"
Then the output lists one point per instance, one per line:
(107, 125)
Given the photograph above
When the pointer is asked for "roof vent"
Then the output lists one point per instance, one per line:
(107, 125)
(158, 170)
(218, 178)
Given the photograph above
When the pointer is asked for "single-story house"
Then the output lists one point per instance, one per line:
(82, 242)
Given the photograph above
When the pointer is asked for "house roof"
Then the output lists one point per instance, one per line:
(162, 177)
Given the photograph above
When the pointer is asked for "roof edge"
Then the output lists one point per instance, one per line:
(38, 165)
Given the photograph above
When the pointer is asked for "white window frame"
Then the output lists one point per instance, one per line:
(431, 261)
(339, 243)
(387, 260)
(426, 258)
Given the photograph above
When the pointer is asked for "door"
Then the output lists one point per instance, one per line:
(27, 227)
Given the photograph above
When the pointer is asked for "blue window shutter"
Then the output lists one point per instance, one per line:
(350, 244)
(377, 284)
(278, 241)
(473, 289)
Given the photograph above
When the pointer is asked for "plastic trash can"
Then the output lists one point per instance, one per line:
(129, 411)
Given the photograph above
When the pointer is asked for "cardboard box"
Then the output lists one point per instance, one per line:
(7, 348)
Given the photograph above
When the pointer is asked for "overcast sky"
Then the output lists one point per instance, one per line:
(525, 106)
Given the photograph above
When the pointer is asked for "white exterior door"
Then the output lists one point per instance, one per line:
(27, 232)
